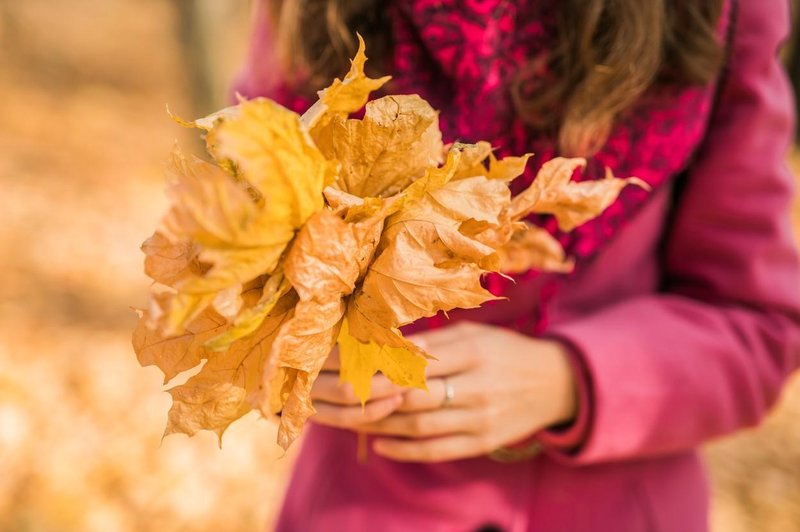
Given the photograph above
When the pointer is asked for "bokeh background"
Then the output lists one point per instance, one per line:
(83, 139)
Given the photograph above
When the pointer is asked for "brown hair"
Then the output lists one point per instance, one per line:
(616, 49)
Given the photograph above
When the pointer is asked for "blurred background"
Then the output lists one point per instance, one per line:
(83, 138)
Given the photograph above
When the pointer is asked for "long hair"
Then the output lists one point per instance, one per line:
(608, 53)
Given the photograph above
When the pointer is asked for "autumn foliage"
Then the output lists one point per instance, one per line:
(308, 231)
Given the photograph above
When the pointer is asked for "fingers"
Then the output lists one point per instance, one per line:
(453, 447)
(415, 400)
(451, 346)
(448, 334)
(328, 388)
(426, 424)
(420, 400)
(348, 417)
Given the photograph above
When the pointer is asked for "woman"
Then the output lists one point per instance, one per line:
(682, 317)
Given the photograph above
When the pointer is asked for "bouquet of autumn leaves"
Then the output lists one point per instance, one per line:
(308, 231)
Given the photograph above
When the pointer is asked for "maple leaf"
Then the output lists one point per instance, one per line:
(302, 345)
(175, 354)
(236, 238)
(406, 283)
(343, 97)
(571, 203)
(276, 155)
(323, 265)
(239, 236)
(313, 230)
(532, 247)
(224, 389)
(249, 319)
(395, 142)
(169, 263)
(386, 351)
(425, 263)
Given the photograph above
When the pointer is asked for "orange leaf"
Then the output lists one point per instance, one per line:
(534, 248)
(571, 203)
(325, 261)
(395, 142)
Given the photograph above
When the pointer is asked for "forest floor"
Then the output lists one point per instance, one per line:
(84, 136)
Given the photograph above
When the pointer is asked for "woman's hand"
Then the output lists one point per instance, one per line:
(337, 405)
(505, 386)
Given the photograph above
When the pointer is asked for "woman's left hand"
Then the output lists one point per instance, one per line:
(504, 387)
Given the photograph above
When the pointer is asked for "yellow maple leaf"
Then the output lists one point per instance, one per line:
(396, 141)
(241, 236)
(237, 238)
(277, 156)
(225, 387)
(343, 97)
(403, 364)
(318, 229)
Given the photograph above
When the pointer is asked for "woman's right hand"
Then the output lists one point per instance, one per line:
(337, 404)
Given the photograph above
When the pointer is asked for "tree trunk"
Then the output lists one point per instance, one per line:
(212, 35)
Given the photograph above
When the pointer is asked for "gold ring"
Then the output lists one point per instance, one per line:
(449, 393)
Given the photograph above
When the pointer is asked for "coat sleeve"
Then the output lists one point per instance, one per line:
(664, 372)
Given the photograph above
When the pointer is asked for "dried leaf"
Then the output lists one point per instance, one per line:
(257, 276)
(250, 319)
(169, 263)
(534, 248)
(214, 397)
(406, 282)
(571, 203)
(472, 159)
(325, 261)
(395, 142)
(175, 354)
(222, 391)
(345, 96)
(302, 345)
(277, 156)
(404, 365)
(237, 237)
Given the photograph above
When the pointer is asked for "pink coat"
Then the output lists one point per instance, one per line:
(684, 322)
